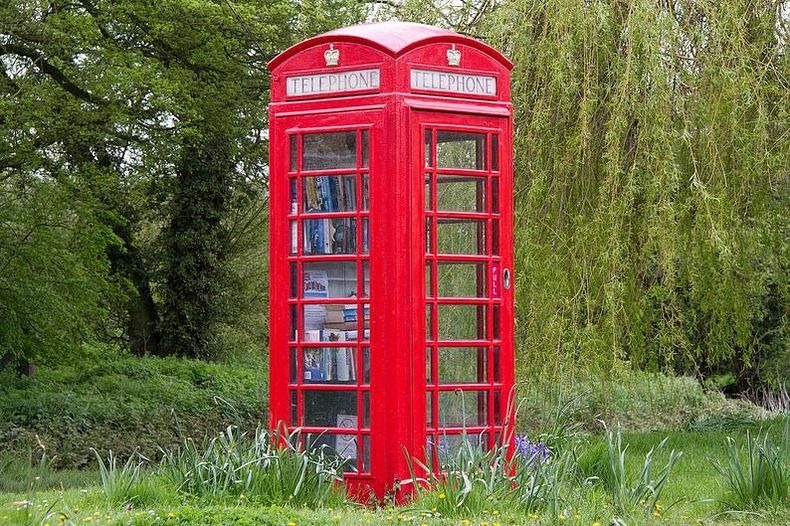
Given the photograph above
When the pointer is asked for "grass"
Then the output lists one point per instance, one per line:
(694, 483)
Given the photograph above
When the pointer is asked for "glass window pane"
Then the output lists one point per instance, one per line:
(459, 365)
(463, 280)
(460, 194)
(461, 236)
(330, 408)
(461, 150)
(329, 193)
(429, 322)
(497, 408)
(462, 322)
(497, 321)
(428, 151)
(292, 316)
(292, 365)
(294, 237)
(428, 236)
(293, 152)
(294, 280)
(365, 192)
(365, 410)
(330, 279)
(330, 236)
(322, 151)
(495, 195)
(365, 148)
(365, 235)
(332, 365)
(366, 365)
(428, 193)
(366, 279)
(365, 465)
(495, 237)
(294, 409)
(294, 206)
(429, 409)
(495, 152)
(497, 370)
(462, 408)
(428, 365)
(428, 280)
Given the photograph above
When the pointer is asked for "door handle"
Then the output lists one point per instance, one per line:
(506, 279)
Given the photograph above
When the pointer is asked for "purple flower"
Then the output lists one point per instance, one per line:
(531, 452)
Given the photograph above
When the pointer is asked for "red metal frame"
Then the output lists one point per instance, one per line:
(395, 119)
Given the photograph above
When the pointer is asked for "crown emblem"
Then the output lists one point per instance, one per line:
(453, 57)
(331, 55)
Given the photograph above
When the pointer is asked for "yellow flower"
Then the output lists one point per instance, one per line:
(442, 495)
(561, 517)
(291, 523)
(596, 523)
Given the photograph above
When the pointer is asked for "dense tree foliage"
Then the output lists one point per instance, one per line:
(652, 174)
(136, 130)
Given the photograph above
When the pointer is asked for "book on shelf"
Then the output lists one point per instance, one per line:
(330, 193)
(330, 236)
(315, 285)
(329, 364)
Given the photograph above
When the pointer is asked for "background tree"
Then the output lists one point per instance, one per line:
(652, 184)
(148, 120)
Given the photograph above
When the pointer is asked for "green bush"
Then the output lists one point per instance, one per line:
(123, 403)
(635, 400)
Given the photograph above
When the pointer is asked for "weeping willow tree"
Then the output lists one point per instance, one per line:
(652, 184)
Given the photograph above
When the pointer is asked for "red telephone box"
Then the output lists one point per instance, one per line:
(391, 300)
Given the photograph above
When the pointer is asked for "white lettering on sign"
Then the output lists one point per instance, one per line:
(454, 82)
(341, 81)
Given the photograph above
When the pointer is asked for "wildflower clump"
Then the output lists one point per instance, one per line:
(531, 452)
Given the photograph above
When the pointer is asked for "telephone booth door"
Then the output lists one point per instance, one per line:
(329, 168)
(467, 291)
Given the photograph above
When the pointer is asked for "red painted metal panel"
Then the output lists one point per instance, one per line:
(372, 93)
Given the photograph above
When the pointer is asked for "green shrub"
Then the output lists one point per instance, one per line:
(124, 403)
(635, 400)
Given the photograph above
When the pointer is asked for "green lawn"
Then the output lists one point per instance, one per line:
(694, 485)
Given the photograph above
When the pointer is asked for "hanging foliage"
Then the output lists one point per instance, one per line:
(652, 184)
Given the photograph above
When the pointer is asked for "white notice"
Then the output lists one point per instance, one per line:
(339, 82)
(423, 79)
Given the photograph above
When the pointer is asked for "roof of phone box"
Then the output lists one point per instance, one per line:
(393, 38)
